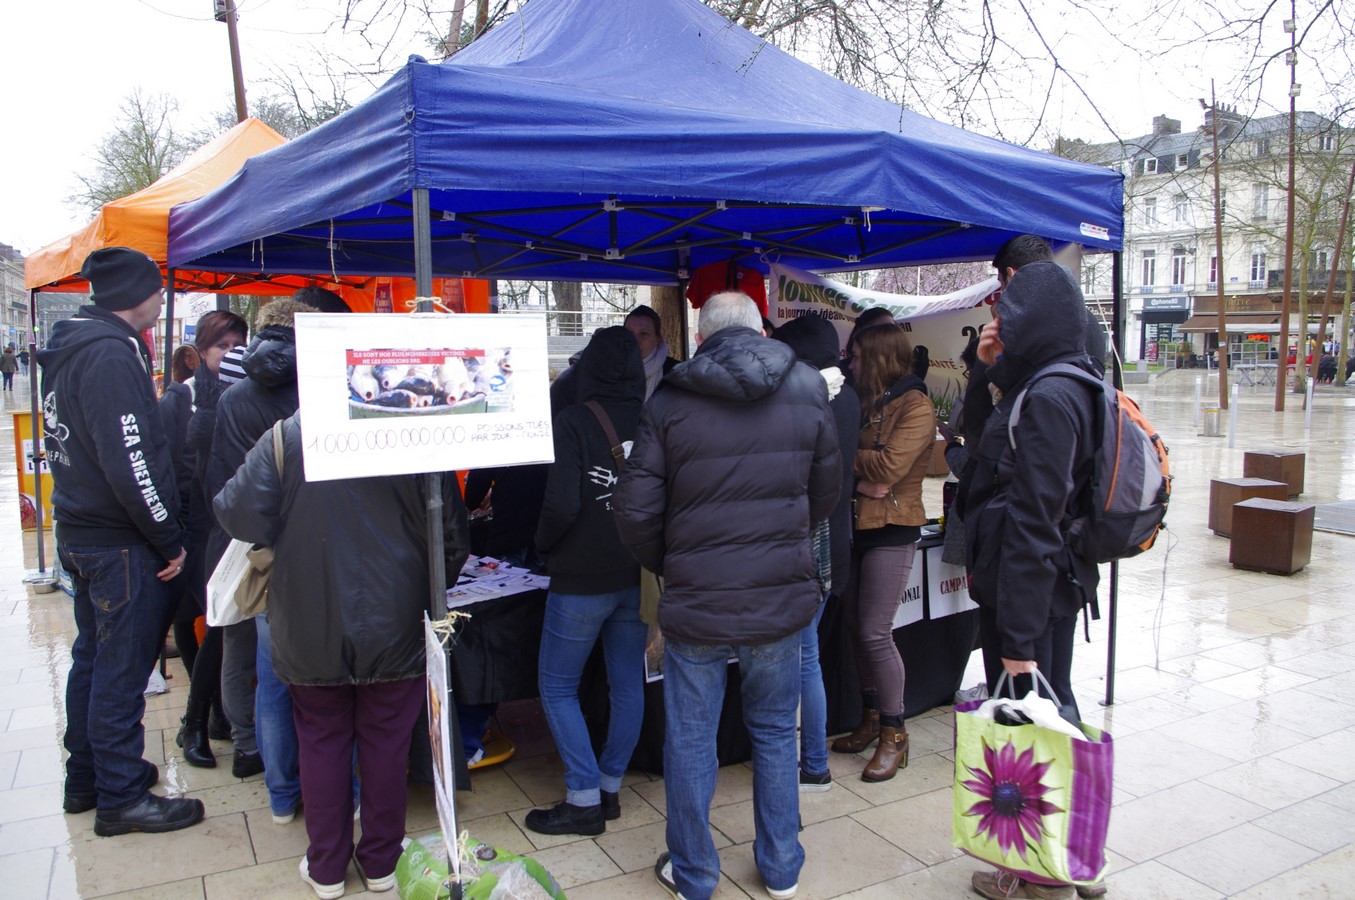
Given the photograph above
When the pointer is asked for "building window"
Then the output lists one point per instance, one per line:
(1178, 268)
(1149, 272)
(1182, 208)
(1322, 260)
(1261, 147)
(1150, 211)
(1213, 271)
(1150, 166)
(1260, 201)
(1327, 142)
(1258, 267)
(1182, 160)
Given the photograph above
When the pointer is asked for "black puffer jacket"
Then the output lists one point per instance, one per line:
(350, 570)
(249, 408)
(577, 533)
(111, 467)
(1017, 499)
(736, 457)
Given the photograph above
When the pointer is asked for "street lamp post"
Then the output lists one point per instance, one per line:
(224, 11)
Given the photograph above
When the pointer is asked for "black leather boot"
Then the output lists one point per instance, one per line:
(197, 750)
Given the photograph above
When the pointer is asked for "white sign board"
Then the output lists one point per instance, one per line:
(943, 324)
(389, 394)
(440, 737)
(910, 610)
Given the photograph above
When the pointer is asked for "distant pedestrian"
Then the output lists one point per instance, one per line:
(9, 364)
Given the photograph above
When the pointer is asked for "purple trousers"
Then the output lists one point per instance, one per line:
(379, 719)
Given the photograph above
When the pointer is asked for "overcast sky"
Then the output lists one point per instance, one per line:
(67, 65)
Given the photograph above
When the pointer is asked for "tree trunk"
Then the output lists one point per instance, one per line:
(672, 309)
(569, 303)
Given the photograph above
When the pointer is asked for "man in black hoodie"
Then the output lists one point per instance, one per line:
(118, 534)
(736, 459)
(1027, 581)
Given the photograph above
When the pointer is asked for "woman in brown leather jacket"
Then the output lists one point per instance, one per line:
(898, 426)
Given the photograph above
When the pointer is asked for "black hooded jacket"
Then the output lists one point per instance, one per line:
(350, 569)
(577, 533)
(1018, 499)
(815, 342)
(248, 408)
(110, 460)
(736, 458)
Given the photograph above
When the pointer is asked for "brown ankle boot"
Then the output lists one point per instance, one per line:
(863, 736)
(890, 754)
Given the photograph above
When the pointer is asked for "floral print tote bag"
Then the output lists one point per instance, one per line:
(1032, 800)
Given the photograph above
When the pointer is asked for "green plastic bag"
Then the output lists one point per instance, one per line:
(488, 873)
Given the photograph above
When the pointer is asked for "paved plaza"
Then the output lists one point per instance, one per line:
(1234, 724)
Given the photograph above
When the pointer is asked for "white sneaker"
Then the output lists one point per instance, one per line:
(323, 891)
(285, 818)
(376, 885)
(785, 894)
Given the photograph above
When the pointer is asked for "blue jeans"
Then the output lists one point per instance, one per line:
(693, 694)
(572, 626)
(274, 729)
(813, 701)
(121, 613)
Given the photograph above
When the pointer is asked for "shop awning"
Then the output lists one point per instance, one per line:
(1232, 321)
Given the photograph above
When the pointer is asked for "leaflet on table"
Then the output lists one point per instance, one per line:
(389, 394)
(487, 578)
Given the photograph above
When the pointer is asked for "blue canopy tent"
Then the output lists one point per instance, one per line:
(632, 142)
(609, 140)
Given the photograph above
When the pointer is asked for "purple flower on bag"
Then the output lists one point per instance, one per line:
(1014, 803)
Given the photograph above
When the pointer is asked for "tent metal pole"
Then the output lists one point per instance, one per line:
(1117, 369)
(165, 374)
(42, 581)
(437, 560)
(684, 263)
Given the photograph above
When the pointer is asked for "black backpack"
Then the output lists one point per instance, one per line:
(1131, 476)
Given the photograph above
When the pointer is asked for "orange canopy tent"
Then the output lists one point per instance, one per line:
(141, 220)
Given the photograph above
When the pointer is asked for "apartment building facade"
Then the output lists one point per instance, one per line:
(1171, 265)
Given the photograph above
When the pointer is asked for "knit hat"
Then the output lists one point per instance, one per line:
(120, 278)
(230, 370)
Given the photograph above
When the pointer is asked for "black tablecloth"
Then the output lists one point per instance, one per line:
(495, 660)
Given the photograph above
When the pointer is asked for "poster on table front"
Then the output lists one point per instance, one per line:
(910, 610)
(947, 587)
(943, 324)
(400, 394)
(440, 736)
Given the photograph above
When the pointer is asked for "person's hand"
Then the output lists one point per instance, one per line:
(873, 489)
(175, 567)
(946, 434)
(1016, 667)
(990, 344)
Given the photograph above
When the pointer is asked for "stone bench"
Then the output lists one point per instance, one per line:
(1225, 492)
(1276, 465)
(1273, 536)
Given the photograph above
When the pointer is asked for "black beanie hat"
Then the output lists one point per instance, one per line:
(120, 278)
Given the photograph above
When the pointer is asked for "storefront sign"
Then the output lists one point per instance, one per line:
(1166, 304)
(399, 394)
